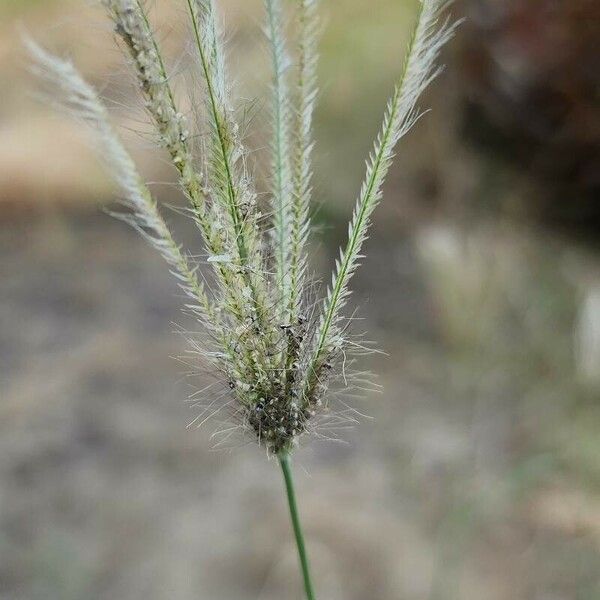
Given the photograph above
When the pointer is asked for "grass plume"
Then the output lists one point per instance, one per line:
(276, 354)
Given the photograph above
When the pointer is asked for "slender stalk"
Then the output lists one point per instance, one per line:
(286, 466)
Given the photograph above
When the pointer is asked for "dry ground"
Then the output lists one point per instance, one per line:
(476, 477)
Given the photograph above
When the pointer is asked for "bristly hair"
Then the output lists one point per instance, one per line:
(277, 354)
(302, 146)
(401, 114)
(83, 103)
(281, 203)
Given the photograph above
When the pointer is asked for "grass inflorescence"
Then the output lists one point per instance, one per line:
(277, 353)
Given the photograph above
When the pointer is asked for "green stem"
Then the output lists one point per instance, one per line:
(286, 466)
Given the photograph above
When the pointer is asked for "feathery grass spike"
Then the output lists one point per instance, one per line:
(82, 101)
(280, 169)
(402, 112)
(306, 95)
(133, 27)
(277, 359)
(230, 185)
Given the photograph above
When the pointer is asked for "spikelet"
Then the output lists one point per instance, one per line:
(306, 97)
(280, 168)
(230, 183)
(277, 358)
(401, 114)
(83, 104)
(132, 26)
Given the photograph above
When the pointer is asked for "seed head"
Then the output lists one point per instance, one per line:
(276, 353)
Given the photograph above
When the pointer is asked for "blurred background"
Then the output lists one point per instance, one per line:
(478, 475)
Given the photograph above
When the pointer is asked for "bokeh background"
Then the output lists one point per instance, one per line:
(478, 473)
